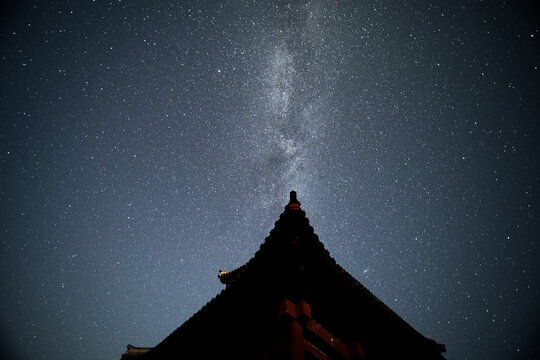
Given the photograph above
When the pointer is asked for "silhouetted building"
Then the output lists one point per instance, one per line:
(292, 301)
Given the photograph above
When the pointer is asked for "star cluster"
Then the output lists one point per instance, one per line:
(145, 145)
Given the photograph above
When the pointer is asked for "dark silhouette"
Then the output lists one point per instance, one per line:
(292, 301)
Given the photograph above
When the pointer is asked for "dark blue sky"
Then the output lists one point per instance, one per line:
(145, 145)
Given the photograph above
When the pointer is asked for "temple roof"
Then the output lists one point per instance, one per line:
(134, 352)
(292, 262)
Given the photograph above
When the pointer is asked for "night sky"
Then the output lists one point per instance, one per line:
(144, 145)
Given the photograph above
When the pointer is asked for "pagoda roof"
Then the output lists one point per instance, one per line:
(293, 262)
(134, 352)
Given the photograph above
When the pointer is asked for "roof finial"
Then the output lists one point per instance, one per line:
(293, 204)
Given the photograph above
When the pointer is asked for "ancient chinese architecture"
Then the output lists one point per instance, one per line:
(292, 301)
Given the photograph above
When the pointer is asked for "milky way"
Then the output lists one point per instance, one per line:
(144, 146)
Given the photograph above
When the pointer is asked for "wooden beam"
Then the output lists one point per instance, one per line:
(296, 341)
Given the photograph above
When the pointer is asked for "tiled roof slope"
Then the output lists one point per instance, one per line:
(292, 263)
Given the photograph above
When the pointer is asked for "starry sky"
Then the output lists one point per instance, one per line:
(146, 145)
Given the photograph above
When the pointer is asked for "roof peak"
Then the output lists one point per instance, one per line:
(293, 204)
